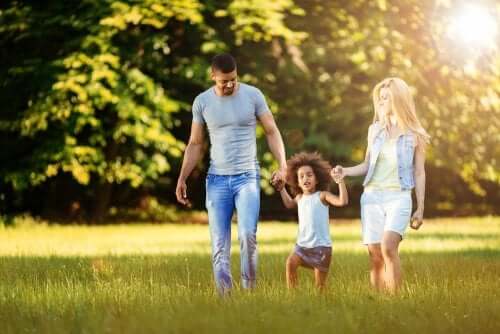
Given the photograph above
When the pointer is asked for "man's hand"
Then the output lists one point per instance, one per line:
(281, 174)
(278, 180)
(181, 193)
(417, 219)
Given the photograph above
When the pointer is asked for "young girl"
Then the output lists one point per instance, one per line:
(394, 165)
(308, 176)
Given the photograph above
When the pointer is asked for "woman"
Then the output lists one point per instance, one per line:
(393, 165)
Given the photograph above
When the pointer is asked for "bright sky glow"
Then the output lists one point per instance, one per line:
(474, 26)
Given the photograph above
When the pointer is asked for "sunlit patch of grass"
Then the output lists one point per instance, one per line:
(158, 279)
(273, 237)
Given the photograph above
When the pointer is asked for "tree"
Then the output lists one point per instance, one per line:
(103, 95)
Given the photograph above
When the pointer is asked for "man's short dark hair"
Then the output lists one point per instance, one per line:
(224, 62)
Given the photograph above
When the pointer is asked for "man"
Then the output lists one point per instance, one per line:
(230, 111)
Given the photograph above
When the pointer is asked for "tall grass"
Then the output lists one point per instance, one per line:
(158, 279)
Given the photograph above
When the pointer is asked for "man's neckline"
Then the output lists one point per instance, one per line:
(236, 92)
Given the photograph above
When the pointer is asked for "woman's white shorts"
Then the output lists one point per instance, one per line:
(384, 210)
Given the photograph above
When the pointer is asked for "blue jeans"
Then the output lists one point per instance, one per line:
(224, 194)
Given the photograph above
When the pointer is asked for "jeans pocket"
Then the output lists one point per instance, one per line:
(252, 174)
(210, 178)
(210, 183)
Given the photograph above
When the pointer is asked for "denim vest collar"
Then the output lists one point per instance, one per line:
(405, 147)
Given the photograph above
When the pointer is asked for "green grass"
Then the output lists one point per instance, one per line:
(158, 279)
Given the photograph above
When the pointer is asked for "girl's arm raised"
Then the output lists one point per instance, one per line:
(341, 200)
(288, 201)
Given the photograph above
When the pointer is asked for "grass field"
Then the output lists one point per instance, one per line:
(158, 279)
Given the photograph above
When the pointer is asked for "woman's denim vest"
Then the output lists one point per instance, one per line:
(405, 151)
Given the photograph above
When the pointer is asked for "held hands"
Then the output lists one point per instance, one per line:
(417, 219)
(278, 180)
(337, 173)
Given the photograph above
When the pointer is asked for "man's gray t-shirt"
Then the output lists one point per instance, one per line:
(231, 122)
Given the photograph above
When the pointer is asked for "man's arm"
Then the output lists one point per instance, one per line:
(192, 155)
(274, 141)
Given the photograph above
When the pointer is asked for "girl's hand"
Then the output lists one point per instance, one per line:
(277, 181)
(339, 181)
(337, 173)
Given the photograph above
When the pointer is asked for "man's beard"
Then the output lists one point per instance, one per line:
(228, 91)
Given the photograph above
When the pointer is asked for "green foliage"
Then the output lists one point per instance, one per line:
(100, 91)
(351, 46)
(260, 20)
(106, 109)
(113, 122)
(458, 92)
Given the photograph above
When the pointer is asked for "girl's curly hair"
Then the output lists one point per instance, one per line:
(320, 167)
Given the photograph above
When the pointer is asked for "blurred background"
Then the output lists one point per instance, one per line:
(95, 97)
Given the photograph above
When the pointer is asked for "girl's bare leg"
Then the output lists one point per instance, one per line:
(320, 279)
(292, 263)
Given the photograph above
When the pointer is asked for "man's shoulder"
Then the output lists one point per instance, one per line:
(203, 96)
(249, 88)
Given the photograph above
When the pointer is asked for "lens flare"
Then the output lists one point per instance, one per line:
(474, 26)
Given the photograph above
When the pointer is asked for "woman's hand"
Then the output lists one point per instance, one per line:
(337, 173)
(417, 219)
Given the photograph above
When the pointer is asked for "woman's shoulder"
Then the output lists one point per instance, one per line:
(374, 129)
(414, 138)
(375, 126)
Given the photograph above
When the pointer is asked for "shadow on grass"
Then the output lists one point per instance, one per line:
(451, 236)
(357, 238)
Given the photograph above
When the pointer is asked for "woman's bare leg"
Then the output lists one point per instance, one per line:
(376, 266)
(390, 252)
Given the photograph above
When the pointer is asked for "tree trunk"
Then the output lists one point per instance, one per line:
(104, 189)
(101, 202)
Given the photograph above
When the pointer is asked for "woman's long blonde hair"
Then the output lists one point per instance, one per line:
(402, 106)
